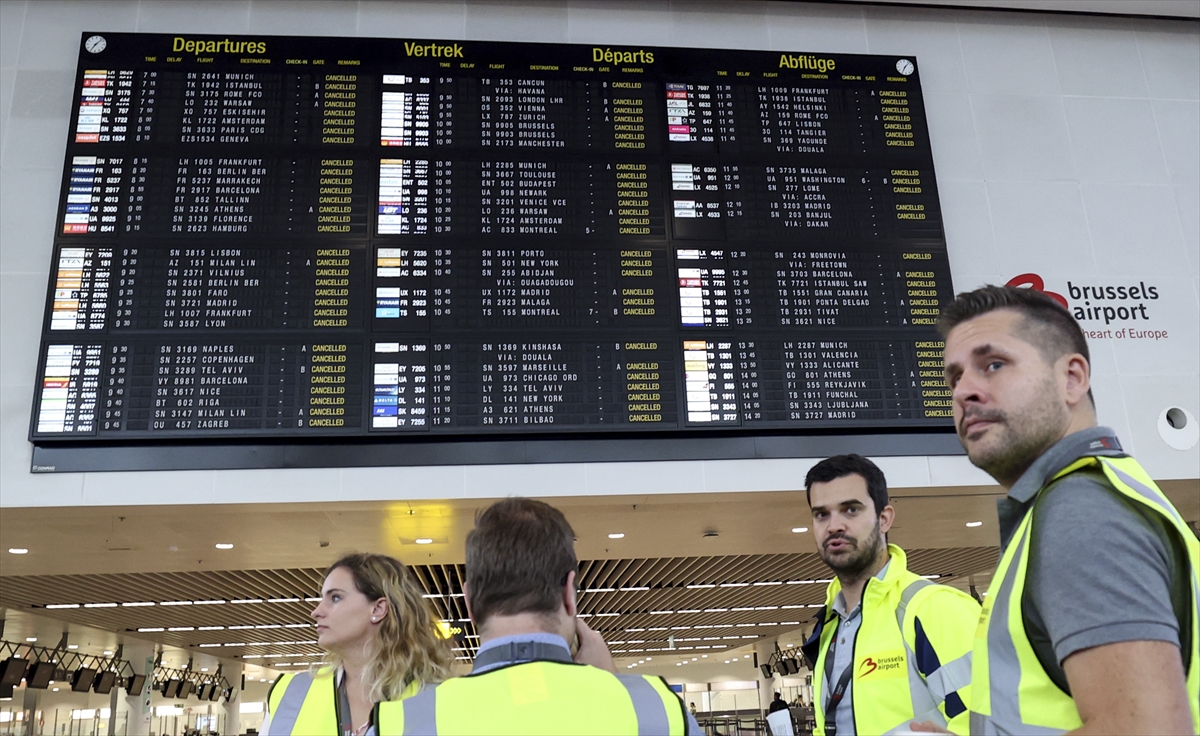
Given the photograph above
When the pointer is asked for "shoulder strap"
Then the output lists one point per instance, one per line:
(910, 592)
(651, 712)
(283, 721)
(420, 713)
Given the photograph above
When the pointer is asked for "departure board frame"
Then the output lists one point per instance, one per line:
(292, 251)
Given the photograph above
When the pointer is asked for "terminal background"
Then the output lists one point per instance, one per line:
(1064, 145)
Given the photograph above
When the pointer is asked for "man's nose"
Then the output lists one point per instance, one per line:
(968, 390)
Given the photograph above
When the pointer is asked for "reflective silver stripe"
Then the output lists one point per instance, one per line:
(1146, 492)
(906, 597)
(283, 721)
(1167, 509)
(949, 677)
(1003, 664)
(420, 713)
(925, 706)
(652, 719)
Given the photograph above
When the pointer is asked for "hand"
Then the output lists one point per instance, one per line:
(592, 649)
(926, 727)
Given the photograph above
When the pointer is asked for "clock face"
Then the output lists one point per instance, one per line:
(95, 44)
(905, 67)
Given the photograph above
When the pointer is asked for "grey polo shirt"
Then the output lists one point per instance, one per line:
(843, 657)
(1103, 569)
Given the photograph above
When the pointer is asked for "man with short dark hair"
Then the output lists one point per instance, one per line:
(520, 593)
(777, 704)
(1091, 619)
(889, 647)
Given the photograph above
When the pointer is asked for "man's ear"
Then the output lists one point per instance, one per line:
(1078, 378)
(467, 603)
(568, 595)
(886, 518)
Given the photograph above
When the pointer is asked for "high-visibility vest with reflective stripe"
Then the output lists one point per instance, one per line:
(1011, 692)
(304, 704)
(898, 676)
(540, 698)
(301, 703)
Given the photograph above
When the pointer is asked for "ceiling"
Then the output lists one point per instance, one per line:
(713, 572)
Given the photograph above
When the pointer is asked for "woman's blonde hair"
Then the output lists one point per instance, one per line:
(406, 647)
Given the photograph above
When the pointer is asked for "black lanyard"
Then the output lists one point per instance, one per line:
(345, 719)
(839, 690)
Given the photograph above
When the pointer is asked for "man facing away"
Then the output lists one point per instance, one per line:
(889, 647)
(777, 704)
(1090, 623)
(520, 594)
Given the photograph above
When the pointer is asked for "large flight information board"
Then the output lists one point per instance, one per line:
(280, 237)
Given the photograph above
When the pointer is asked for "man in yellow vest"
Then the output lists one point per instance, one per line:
(520, 593)
(1090, 623)
(890, 647)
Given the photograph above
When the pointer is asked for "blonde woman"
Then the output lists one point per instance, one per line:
(381, 644)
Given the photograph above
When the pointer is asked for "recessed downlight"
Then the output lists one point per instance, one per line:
(616, 535)
(18, 551)
(223, 545)
(31, 638)
(799, 529)
(974, 524)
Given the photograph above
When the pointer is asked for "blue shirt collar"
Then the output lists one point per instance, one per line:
(538, 637)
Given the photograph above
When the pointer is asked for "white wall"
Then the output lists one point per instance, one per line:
(1066, 146)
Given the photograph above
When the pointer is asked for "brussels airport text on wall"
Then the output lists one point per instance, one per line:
(317, 237)
(1107, 308)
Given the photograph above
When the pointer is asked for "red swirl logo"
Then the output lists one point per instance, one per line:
(1033, 281)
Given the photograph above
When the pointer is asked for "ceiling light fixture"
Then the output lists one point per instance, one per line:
(99, 605)
(108, 652)
(63, 605)
(31, 638)
(799, 529)
(72, 646)
(138, 603)
(971, 524)
(223, 545)
(18, 551)
(616, 535)
(424, 540)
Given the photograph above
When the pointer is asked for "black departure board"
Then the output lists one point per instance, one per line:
(283, 237)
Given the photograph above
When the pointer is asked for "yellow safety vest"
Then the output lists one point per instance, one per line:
(539, 698)
(304, 704)
(1011, 691)
(898, 676)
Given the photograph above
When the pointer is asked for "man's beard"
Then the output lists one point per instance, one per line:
(858, 561)
(1026, 432)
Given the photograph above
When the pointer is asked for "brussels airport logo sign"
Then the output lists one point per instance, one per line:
(1124, 311)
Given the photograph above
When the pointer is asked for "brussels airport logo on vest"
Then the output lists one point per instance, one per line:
(1123, 312)
(882, 666)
